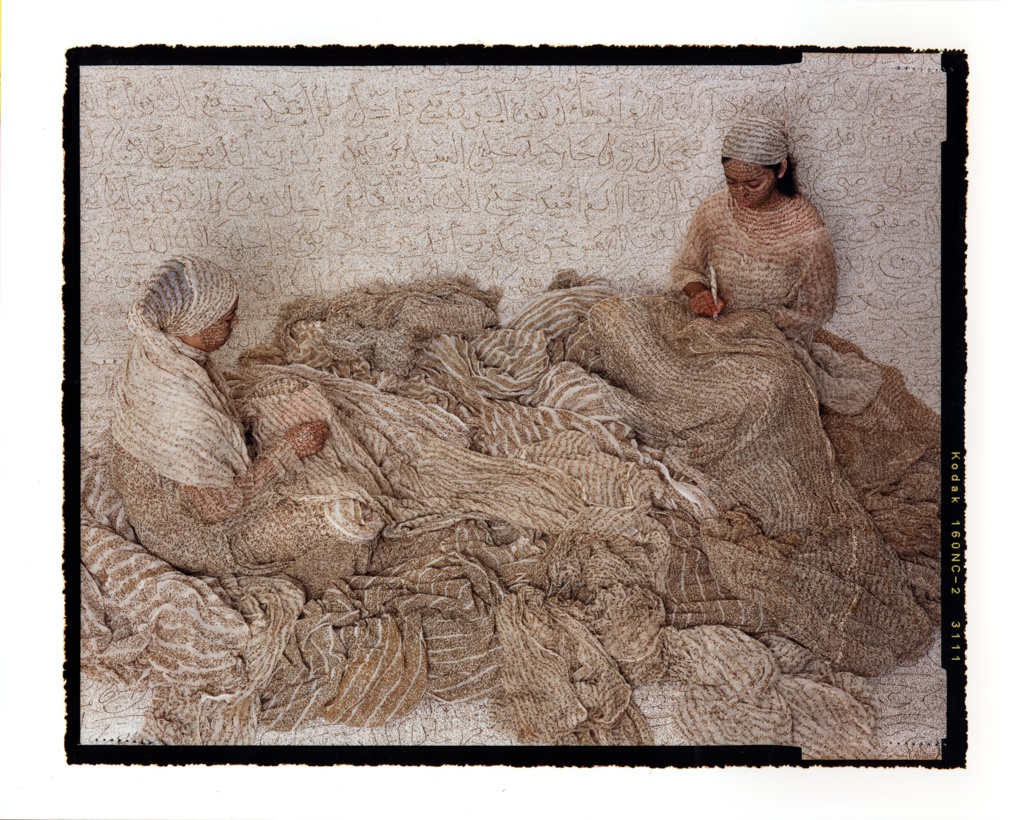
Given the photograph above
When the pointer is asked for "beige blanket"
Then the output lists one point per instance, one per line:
(599, 496)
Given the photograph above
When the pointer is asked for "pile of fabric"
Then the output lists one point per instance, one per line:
(600, 493)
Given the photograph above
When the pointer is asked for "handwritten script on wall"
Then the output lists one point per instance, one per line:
(304, 181)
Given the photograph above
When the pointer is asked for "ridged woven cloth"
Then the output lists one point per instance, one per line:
(600, 494)
(165, 380)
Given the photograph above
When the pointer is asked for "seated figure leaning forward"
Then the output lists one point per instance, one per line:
(760, 245)
(178, 456)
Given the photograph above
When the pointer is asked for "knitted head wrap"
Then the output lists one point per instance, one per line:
(172, 409)
(757, 140)
(185, 295)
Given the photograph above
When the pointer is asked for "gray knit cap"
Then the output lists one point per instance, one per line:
(757, 140)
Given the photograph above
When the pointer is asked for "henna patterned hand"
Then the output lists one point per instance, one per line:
(703, 304)
(308, 438)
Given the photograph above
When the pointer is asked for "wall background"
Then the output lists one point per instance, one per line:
(308, 180)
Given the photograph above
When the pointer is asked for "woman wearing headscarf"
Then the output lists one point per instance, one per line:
(765, 247)
(818, 460)
(178, 456)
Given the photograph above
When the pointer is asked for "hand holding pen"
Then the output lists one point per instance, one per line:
(704, 301)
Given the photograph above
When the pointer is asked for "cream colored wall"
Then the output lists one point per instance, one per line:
(308, 180)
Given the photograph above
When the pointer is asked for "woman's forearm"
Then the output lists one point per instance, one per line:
(217, 504)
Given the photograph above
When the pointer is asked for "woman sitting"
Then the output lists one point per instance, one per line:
(178, 456)
(766, 248)
(730, 391)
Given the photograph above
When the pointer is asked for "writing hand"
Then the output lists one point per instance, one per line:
(703, 303)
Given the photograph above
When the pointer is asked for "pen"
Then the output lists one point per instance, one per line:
(714, 292)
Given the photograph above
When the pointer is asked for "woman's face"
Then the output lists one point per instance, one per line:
(751, 186)
(216, 335)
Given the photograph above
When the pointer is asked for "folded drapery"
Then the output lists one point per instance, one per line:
(601, 494)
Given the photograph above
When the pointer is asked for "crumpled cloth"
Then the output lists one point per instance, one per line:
(632, 499)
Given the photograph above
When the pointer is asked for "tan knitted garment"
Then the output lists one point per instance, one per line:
(780, 262)
(728, 398)
(172, 412)
(604, 493)
(176, 426)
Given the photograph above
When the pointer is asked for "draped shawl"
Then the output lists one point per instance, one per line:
(172, 408)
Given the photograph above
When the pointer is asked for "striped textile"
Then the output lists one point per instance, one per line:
(530, 531)
(546, 650)
(497, 364)
(757, 140)
(740, 408)
(741, 691)
(366, 652)
(557, 312)
(171, 410)
(206, 645)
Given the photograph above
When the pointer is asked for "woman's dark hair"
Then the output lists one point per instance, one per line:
(787, 184)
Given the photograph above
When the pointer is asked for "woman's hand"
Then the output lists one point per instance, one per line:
(308, 438)
(703, 304)
(216, 504)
